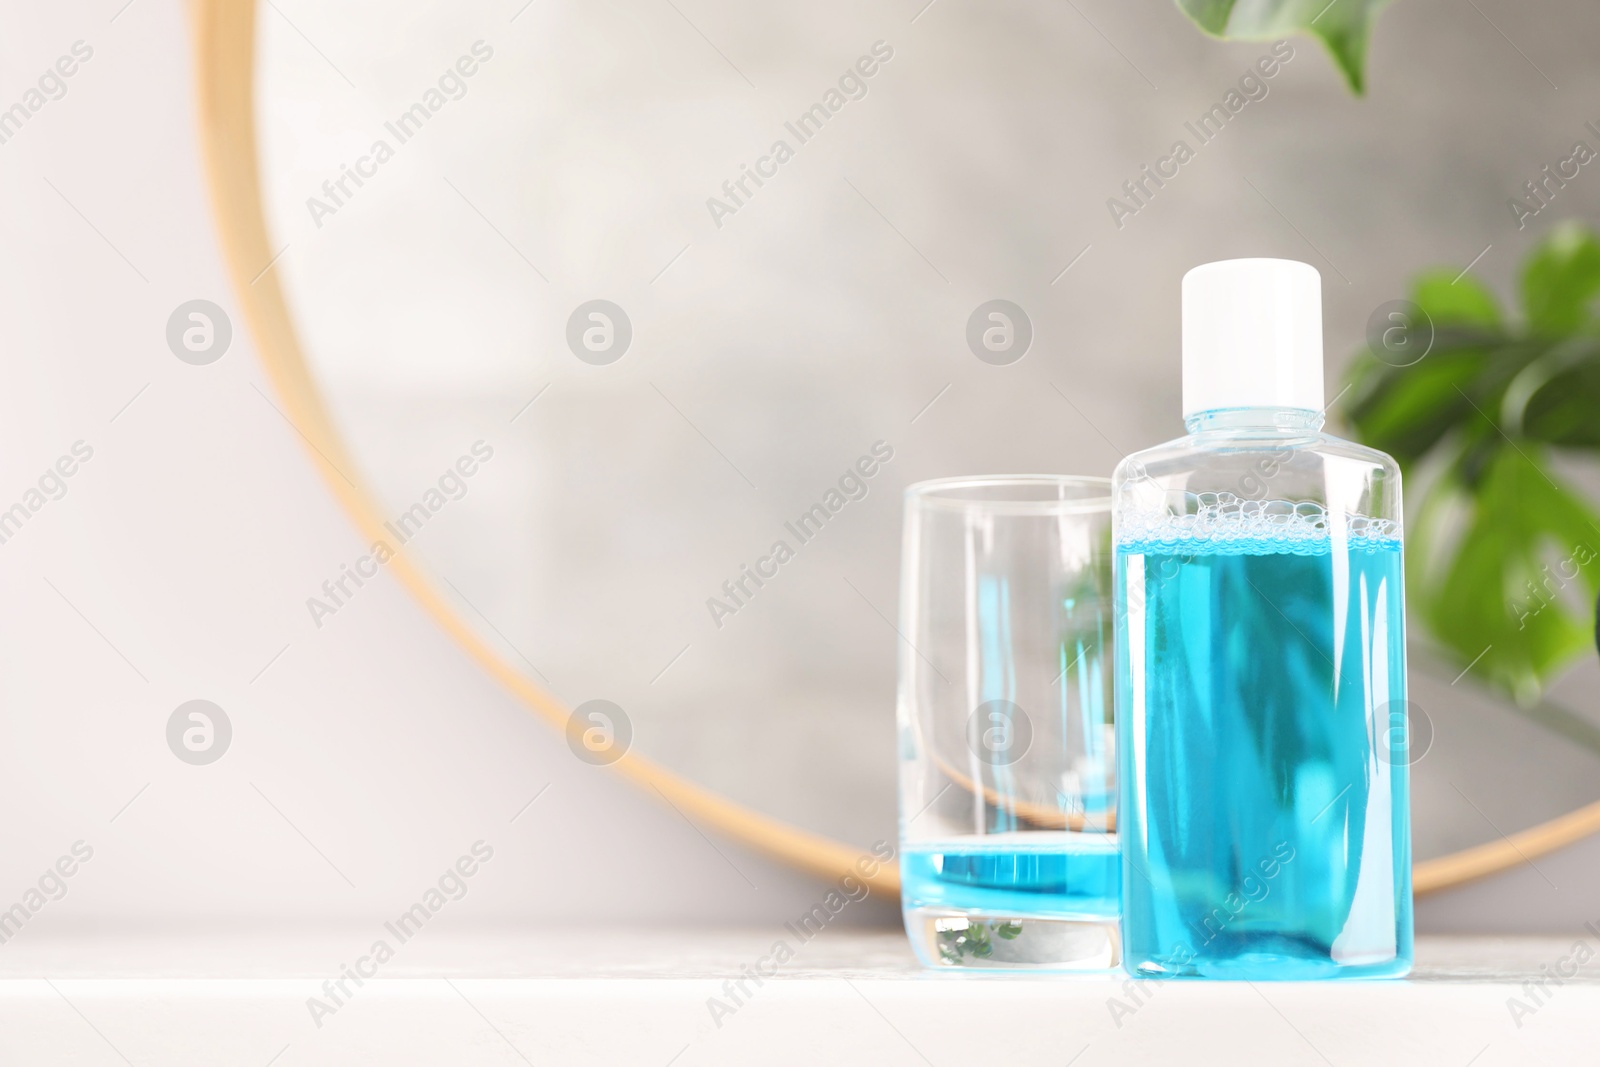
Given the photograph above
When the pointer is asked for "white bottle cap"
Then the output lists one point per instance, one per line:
(1252, 335)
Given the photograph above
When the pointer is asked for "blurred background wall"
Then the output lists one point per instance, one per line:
(369, 754)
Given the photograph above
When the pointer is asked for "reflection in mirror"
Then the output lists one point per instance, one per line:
(636, 319)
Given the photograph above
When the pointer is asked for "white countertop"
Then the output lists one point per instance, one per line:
(847, 997)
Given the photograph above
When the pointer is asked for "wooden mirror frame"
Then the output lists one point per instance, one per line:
(224, 62)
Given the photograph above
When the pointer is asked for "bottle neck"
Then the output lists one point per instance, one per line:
(1283, 420)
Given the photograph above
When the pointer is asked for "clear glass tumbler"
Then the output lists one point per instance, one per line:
(1007, 742)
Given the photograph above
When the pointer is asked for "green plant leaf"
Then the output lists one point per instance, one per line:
(1407, 411)
(1555, 399)
(1452, 298)
(1527, 552)
(1560, 281)
(1503, 560)
(1342, 25)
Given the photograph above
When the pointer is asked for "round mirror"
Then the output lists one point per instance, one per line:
(620, 329)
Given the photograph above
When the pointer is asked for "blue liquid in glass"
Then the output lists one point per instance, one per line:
(1260, 716)
(1063, 875)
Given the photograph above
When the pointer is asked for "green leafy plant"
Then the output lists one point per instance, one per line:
(975, 939)
(1342, 25)
(1503, 555)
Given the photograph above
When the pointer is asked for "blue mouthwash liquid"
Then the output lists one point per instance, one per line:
(1062, 875)
(1264, 827)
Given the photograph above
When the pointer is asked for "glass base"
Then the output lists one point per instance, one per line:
(1269, 966)
(946, 939)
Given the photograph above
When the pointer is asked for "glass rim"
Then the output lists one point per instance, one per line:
(1073, 494)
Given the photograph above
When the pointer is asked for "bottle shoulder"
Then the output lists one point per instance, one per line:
(1310, 471)
(1217, 449)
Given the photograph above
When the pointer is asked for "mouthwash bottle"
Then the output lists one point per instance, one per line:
(1261, 661)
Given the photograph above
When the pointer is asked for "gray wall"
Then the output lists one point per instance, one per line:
(816, 320)
(774, 343)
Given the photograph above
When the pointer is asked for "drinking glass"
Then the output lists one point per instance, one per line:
(1007, 742)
